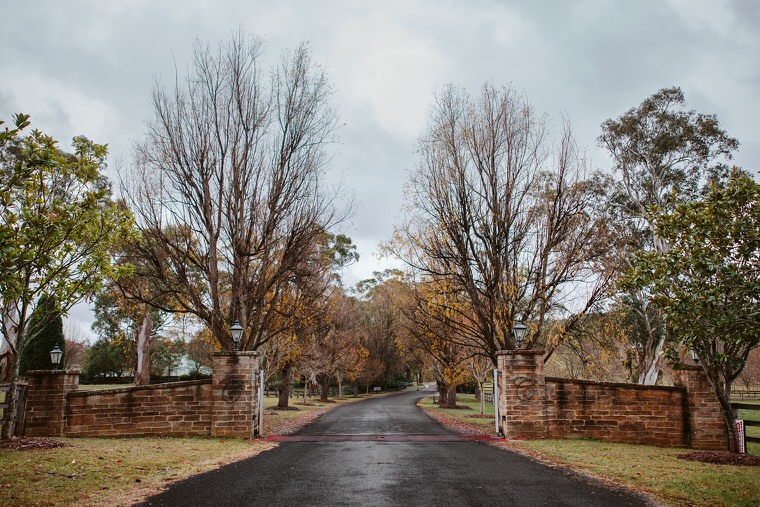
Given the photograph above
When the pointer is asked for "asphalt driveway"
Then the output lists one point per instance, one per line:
(387, 451)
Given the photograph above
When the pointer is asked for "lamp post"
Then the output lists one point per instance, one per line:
(237, 333)
(55, 357)
(519, 330)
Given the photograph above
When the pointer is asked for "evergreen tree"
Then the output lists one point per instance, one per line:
(46, 326)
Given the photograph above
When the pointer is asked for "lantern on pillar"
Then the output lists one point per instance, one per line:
(519, 330)
(237, 333)
(55, 357)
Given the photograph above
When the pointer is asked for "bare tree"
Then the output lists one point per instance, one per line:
(76, 344)
(227, 189)
(503, 219)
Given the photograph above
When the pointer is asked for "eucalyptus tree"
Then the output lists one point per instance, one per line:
(504, 218)
(662, 155)
(228, 189)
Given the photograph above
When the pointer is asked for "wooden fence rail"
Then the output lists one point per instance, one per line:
(751, 407)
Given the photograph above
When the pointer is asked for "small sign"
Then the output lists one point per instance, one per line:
(740, 433)
(376, 389)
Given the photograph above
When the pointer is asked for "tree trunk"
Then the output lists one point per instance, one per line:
(284, 387)
(356, 388)
(142, 375)
(651, 370)
(12, 401)
(449, 399)
(324, 383)
(482, 398)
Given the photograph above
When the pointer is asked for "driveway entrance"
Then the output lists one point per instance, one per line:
(387, 451)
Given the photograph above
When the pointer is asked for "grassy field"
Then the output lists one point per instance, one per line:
(122, 471)
(653, 470)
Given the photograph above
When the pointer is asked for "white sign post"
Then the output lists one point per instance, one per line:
(495, 399)
(742, 436)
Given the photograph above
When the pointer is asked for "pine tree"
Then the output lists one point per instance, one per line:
(47, 325)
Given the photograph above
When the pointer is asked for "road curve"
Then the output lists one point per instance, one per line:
(386, 451)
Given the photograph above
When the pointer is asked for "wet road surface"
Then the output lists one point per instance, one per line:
(387, 451)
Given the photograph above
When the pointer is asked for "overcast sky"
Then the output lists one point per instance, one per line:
(88, 67)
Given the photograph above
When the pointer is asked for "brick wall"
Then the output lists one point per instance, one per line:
(706, 430)
(617, 412)
(46, 401)
(179, 408)
(226, 405)
(533, 406)
(522, 397)
(234, 391)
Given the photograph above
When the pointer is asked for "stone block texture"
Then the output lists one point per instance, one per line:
(234, 391)
(522, 394)
(617, 412)
(533, 406)
(225, 405)
(179, 408)
(46, 401)
(706, 425)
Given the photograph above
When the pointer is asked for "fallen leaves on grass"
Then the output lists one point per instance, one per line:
(291, 426)
(722, 458)
(453, 423)
(25, 444)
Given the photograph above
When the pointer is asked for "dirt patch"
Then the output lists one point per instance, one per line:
(480, 416)
(722, 458)
(284, 409)
(27, 444)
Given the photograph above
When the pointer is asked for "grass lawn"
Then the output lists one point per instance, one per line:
(111, 471)
(653, 470)
(123, 471)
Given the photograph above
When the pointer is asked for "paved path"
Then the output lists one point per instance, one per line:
(387, 451)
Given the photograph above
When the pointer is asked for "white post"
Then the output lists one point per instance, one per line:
(496, 398)
(261, 401)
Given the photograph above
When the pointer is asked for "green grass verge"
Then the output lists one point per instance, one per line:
(123, 471)
(653, 470)
(111, 471)
(470, 407)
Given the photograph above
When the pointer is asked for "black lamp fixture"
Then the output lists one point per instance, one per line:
(694, 356)
(237, 333)
(55, 357)
(519, 331)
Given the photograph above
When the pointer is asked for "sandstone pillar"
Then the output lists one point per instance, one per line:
(234, 392)
(707, 428)
(46, 402)
(522, 393)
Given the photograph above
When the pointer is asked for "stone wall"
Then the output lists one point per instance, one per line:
(707, 429)
(235, 394)
(179, 408)
(46, 401)
(226, 405)
(617, 412)
(533, 406)
(522, 394)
